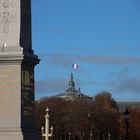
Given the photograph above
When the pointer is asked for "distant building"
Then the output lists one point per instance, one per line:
(130, 105)
(72, 93)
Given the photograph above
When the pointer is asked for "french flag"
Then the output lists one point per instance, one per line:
(75, 66)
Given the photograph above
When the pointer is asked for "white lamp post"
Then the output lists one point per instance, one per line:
(46, 134)
(91, 135)
(109, 135)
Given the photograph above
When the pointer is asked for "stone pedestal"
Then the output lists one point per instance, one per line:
(17, 97)
(17, 62)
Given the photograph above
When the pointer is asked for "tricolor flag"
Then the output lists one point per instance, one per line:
(75, 66)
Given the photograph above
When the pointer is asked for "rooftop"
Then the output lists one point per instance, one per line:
(71, 92)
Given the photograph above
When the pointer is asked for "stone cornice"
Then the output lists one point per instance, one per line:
(18, 57)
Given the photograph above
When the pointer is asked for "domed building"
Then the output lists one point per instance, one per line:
(72, 93)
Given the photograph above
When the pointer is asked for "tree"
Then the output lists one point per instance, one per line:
(80, 116)
(106, 115)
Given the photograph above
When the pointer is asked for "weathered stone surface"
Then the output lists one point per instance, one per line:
(17, 63)
(15, 24)
(9, 96)
(17, 98)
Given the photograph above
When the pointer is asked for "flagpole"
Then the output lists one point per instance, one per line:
(75, 67)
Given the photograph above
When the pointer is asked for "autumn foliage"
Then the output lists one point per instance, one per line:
(84, 119)
(133, 124)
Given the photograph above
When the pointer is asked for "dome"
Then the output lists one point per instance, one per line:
(71, 87)
(71, 92)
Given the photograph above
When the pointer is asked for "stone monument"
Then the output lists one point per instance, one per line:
(17, 62)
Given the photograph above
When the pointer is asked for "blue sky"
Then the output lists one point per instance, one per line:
(101, 36)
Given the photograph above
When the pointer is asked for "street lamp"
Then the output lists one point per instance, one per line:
(45, 132)
(69, 135)
(90, 116)
(126, 116)
(91, 135)
(109, 135)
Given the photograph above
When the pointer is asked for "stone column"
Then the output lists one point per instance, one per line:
(17, 62)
